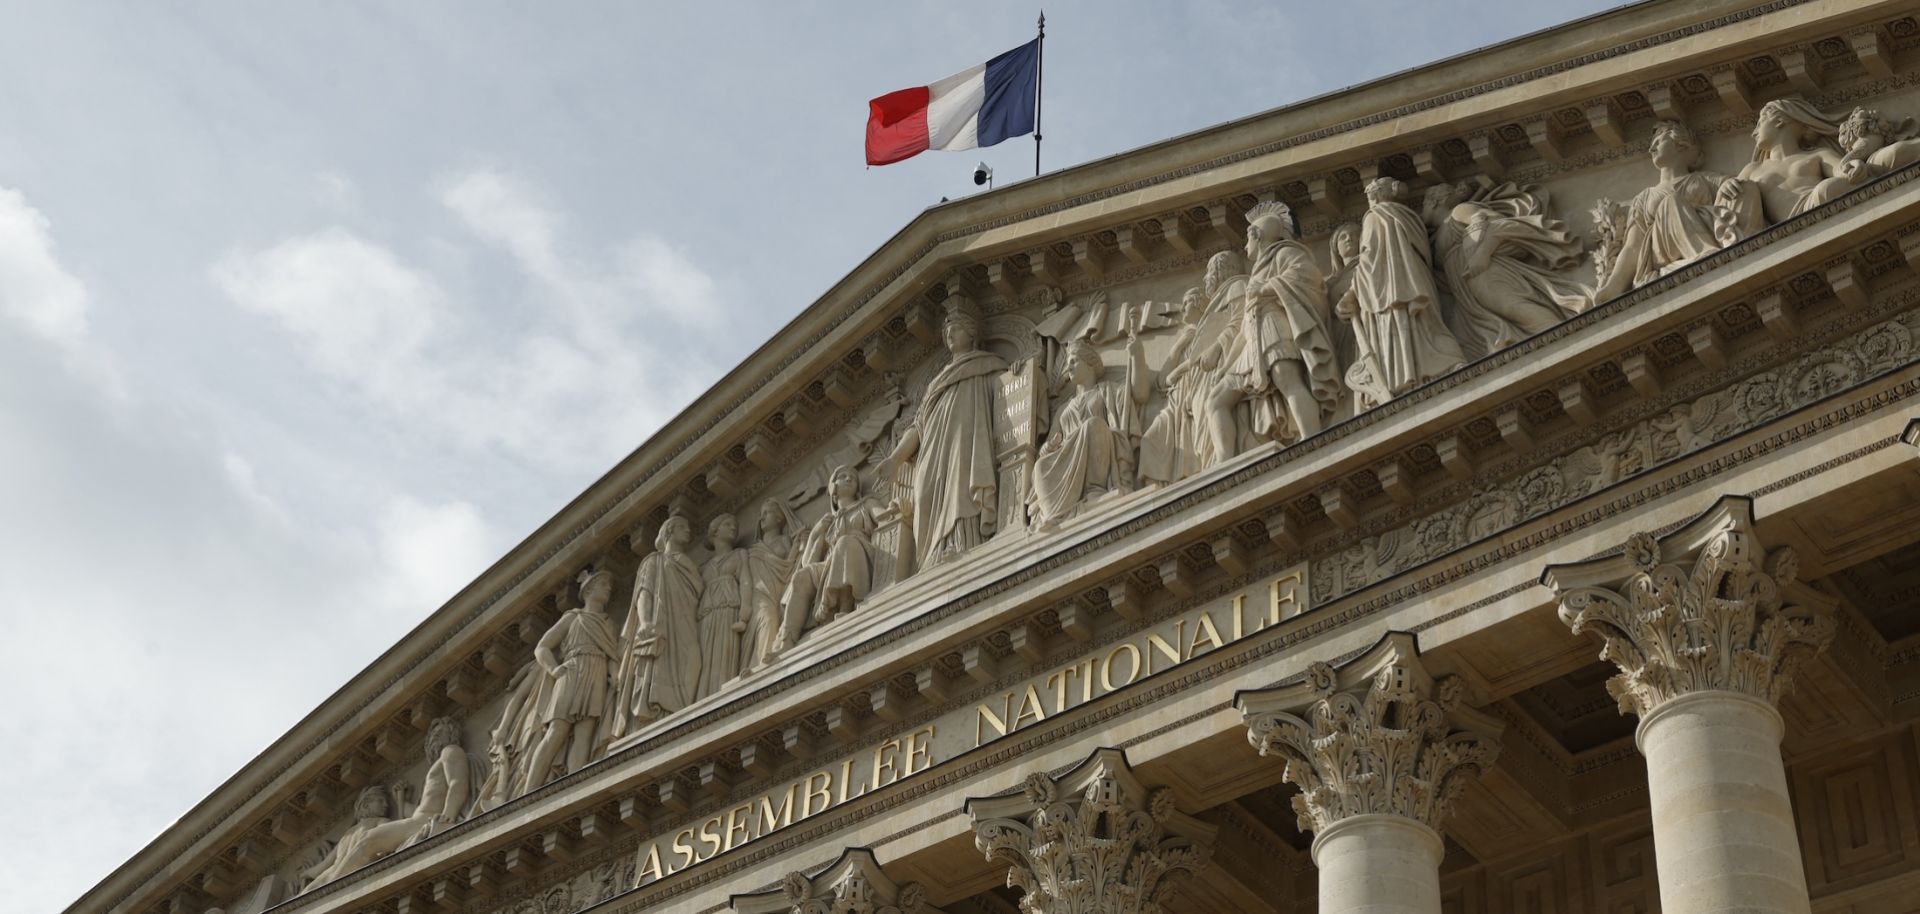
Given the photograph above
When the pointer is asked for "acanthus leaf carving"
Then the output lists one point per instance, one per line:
(1092, 841)
(1704, 611)
(853, 884)
(1377, 736)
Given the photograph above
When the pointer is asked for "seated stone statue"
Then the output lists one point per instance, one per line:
(447, 787)
(372, 836)
(1803, 157)
(1090, 451)
(834, 571)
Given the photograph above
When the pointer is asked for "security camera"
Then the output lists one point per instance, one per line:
(982, 174)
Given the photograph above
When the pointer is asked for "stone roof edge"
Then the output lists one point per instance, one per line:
(886, 274)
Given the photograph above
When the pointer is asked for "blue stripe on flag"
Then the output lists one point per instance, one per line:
(1012, 85)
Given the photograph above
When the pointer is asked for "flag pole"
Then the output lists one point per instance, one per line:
(1039, 73)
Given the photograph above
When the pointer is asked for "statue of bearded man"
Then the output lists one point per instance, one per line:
(1283, 362)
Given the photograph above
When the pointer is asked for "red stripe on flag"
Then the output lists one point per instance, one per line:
(897, 126)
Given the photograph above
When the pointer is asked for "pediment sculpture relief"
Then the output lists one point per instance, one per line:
(945, 458)
(1024, 418)
(388, 818)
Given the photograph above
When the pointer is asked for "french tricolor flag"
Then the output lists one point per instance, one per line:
(979, 106)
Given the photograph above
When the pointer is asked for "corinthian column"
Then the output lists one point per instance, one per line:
(1706, 643)
(853, 884)
(1092, 841)
(1379, 749)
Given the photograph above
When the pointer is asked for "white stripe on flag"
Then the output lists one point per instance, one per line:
(953, 109)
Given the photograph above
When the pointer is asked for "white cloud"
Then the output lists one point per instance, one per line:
(35, 289)
(601, 351)
(355, 311)
(431, 550)
(335, 191)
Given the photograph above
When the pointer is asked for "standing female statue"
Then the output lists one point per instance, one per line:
(723, 577)
(769, 565)
(1394, 307)
(1090, 451)
(660, 672)
(1669, 225)
(947, 455)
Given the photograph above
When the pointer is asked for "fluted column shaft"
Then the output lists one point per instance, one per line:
(1378, 864)
(1723, 832)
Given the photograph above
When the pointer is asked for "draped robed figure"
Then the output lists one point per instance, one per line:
(946, 454)
(1394, 305)
(660, 668)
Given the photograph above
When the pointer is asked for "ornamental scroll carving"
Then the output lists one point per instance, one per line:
(1704, 610)
(1093, 841)
(853, 884)
(1378, 736)
(1681, 429)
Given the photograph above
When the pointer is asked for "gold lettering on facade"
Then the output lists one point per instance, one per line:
(824, 792)
(1030, 708)
(771, 820)
(1204, 633)
(1106, 668)
(985, 717)
(1165, 645)
(1158, 646)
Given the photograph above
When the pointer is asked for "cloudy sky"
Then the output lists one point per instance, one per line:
(309, 311)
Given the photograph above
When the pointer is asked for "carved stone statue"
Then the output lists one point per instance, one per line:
(513, 739)
(725, 578)
(769, 566)
(1502, 256)
(1394, 306)
(948, 450)
(447, 787)
(1803, 157)
(372, 836)
(660, 670)
(1666, 226)
(577, 653)
(1281, 364)
(835, 567)
(1172, 447)
(1090, 451)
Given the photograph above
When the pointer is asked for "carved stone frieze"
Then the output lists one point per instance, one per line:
(1704, 609)
(853, 884)
(1681, 429)
(1377, 736)
(1092, 841)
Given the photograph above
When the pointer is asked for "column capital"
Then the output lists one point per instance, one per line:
(1377, 735)
(1704, 608)
(1092, 840)
(852, 884)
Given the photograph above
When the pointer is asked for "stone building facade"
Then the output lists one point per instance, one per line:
(1493, 488)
